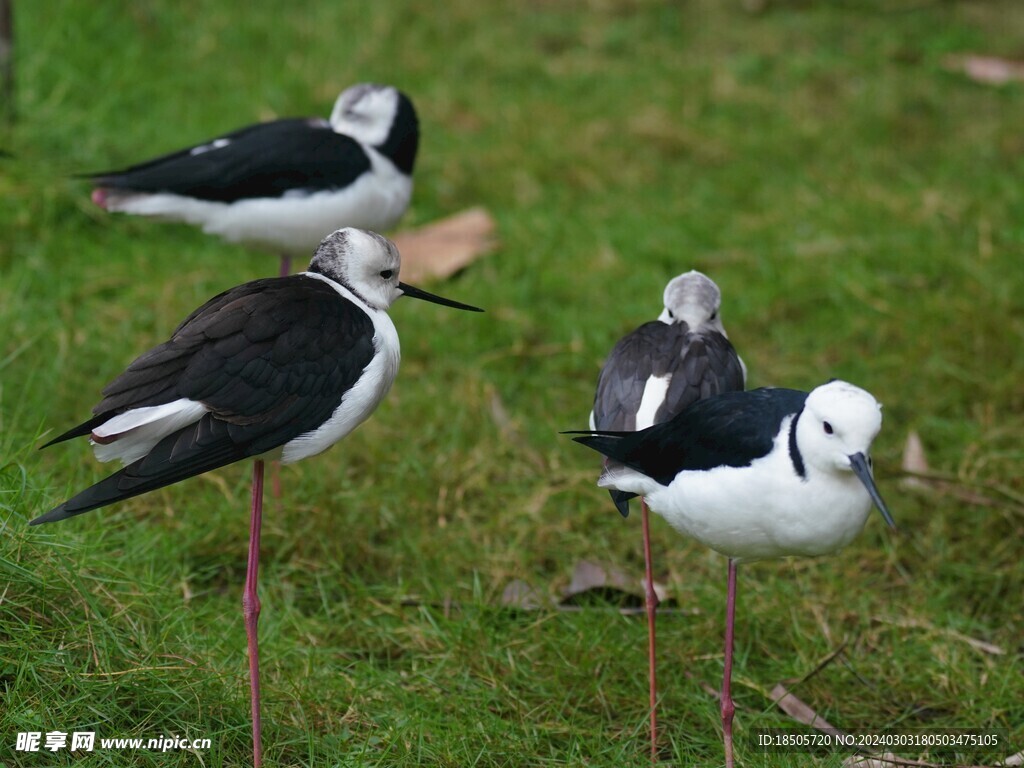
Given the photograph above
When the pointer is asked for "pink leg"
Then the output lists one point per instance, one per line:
(728, 708)
(251, 609)
(286, 265)
(651, 601)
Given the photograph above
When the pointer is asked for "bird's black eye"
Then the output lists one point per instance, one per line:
(828, 428)
(671, 315)
(387, 273)
(713, 315)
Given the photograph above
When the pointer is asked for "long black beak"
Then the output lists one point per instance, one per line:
(860, 466)
(417, 293)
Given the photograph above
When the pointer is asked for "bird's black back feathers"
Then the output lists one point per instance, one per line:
(701, 364)
(732, 429)
(263, 160)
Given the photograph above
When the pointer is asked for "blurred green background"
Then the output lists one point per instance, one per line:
(855, 193)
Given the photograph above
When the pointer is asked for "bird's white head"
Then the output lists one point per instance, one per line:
(368, 264)
(366, 112)
(835, 431)
(364, 262)
(694, 299)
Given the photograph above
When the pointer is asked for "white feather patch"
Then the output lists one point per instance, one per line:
(215, 144)
(620, 478)
(655, 391)
(133, 434)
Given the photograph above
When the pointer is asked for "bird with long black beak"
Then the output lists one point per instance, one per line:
(754, 475)
(278, 368)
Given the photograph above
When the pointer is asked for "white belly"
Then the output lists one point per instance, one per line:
(765, 510)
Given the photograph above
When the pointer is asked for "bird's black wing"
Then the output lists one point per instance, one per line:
(701, 365)
(633, 360)
(731, 429)
(263, 160)
(706, 365)
(271, 359)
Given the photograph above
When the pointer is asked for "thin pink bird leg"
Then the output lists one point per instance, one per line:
(651, 602)
(728, 708)
(251, 609)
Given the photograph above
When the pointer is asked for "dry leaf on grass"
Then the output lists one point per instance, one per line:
(803, 713)
(890, 760)
(973, 642)
(593, 583)
(914, 462)
(990, 70)
(589, 575)
(594, 579)
(919, 476)
(519, 594)
(440, 249)
(800, 711)
(885, 760)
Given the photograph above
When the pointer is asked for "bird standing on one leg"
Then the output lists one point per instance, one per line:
(755, 475)
(283, 185)
(279, 367)
(651, 375)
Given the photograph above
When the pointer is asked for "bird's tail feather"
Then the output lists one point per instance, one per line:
(621, 501)
(606, 443)
(198, 448)
(84, 428)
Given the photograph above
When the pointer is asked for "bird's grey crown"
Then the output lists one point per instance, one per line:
(353, 95)
(330, 255)
(694, 289)
(366, 112)
(364, 262)
(337, 250)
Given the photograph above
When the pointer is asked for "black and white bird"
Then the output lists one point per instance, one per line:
(761, 474)
(652, 374)
(281, 367)
(283, 185)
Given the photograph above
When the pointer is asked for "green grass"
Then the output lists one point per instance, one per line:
(860, 207)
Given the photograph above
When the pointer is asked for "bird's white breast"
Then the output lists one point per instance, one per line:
(765, 510)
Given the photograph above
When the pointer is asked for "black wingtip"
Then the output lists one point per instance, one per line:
(621, 501)
(85, 428)
(55, 514)
(55, 440)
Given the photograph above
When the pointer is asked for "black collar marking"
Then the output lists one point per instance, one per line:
(794, 451)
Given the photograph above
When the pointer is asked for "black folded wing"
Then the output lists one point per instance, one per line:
(265, 160)
(732, 429)
(270, 359)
